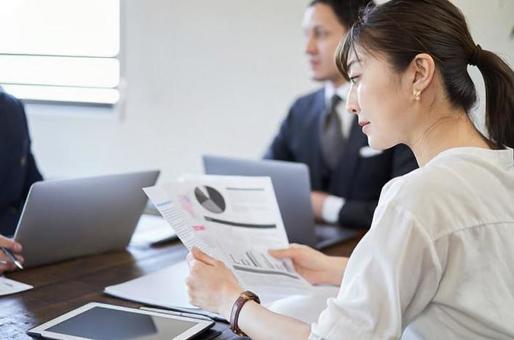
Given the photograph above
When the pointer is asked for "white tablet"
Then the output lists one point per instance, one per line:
(102, 321)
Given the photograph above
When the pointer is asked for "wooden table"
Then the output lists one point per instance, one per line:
(64, 286)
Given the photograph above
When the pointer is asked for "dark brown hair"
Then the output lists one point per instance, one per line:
(401, 29)
(346, 11)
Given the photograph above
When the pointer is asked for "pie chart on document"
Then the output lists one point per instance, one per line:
(210, 199)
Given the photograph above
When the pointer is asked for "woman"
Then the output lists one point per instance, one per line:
(437, 261)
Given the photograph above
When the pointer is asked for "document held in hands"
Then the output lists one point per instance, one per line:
(235, 220)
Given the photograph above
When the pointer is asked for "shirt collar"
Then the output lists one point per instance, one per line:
(341, 91)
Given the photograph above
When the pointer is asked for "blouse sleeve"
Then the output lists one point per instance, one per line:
(390, 278)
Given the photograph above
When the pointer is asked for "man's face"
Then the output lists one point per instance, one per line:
(323, 33)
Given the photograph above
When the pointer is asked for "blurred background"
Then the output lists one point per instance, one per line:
(157, 83)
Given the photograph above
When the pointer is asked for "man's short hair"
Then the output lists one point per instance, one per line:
(347, 11)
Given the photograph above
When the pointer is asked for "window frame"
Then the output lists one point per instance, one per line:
(63, 102)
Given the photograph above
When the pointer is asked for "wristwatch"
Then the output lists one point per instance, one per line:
(243, 298)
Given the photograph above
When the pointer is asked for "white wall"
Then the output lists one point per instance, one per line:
(203, 77)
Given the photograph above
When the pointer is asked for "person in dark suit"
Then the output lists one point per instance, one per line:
(346, 174)
(18, 169)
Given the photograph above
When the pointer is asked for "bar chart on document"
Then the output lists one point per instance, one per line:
(257, 268)
(255, 261)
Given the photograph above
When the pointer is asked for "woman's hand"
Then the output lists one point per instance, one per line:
(314, 266)
(5, 262)
(210, 284)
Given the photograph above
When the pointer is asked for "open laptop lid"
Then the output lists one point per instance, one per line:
(68, 218)
(291, 185)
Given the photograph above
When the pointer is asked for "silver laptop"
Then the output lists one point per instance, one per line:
(292, 188)
(64, 219)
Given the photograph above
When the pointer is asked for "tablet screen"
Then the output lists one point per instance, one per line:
(105, 323)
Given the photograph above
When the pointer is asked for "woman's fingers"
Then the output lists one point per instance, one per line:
(291, 252)
(203, 257)
(281, 253)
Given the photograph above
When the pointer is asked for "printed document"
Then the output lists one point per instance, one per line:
(8, 286)
(235, 220)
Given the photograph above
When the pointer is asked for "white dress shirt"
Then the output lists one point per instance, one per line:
(438, 261)
(333, 204)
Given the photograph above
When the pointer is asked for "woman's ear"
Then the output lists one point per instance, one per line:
(423, 68)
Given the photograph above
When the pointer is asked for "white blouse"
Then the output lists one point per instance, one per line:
(438, 261)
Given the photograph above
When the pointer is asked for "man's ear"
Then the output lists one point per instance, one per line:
(423, 68)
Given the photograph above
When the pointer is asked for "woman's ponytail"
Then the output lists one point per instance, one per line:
(499, 90)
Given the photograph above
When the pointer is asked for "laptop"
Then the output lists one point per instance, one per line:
(293, 191)
(69, 218)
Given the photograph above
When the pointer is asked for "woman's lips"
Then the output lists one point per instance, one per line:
(364, 125)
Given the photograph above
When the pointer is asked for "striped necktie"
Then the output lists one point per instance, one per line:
(331, 137)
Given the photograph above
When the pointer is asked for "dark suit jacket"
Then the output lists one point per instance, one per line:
(18, 169)
(358, 179)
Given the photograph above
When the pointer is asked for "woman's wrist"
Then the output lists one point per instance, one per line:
(244, 298)
(228, 302)
(337, 267)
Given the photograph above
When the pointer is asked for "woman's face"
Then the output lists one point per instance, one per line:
(382, 100)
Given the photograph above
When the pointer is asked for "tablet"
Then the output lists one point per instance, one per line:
(102, 321)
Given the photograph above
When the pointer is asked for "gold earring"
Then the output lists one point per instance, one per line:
(417, 95)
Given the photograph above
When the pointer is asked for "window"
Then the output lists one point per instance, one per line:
(61, 50)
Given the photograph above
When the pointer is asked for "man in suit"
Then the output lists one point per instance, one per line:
(346, 174)
(18, 168)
